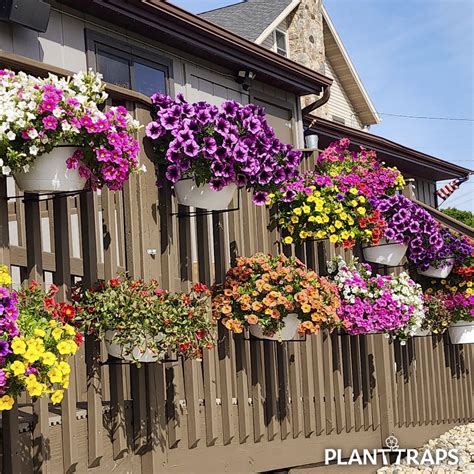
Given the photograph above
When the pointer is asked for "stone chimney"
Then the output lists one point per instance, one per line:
(306, 41)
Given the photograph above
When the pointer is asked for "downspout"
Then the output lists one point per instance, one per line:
(313, 106)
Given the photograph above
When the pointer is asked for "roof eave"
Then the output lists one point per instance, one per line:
(443, 169)
(369, 115)
(179, 28)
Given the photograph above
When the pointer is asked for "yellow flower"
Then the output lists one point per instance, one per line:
(353, 203)
(49, 358)
(64, 348)
(18, 345)
(361, 211)
(65, 381)
(306, 209)
(306, 308)
(320, 234)
(294, 219)
(353, 190)
(5, 278)
(332, 229)
(288, 240)
(57, 396)
(297, 211)
(18, 368)
(469, 284)
(69, 330)
(6, 402)
(57, 333)
(31, 355)
(64, 367)
(40, 332)
(55, 375)
(362, 199)
(338, 224)
(333, 238)
(319, 219)
(443, 282)
(343, 216)
(345, 235)
(303, 234)
(469, 291)
(35, 389)
(311, 198)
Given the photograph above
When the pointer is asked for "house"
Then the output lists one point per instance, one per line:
(303, 31)
(246, 406)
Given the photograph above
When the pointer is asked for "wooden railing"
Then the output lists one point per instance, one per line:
(248, 406)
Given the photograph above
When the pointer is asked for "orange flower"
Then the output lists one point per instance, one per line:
(252, 319)
(257, 306)
(245, 306)
(226, 309)
(275, 314)
(306, 308)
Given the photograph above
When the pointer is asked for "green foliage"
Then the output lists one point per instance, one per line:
(466, 217)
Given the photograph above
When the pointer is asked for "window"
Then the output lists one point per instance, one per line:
(337, 119)
(281, 43)
(128, 66)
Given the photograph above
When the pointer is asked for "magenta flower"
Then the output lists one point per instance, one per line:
(50, 122)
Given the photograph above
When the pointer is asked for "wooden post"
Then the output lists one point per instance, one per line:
(10, 421)
(34, 269)
(95, 447)
(62, 278)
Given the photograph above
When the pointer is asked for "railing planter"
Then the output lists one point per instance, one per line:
(387, 252)
(442, 271)
(140, 353)
(188, 193)
(422, 332)
(461, 332)
(286, 333)
(49, 173)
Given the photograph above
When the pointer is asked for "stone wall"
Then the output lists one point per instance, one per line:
(306, 41)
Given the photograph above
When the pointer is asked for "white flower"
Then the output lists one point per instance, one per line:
(6, 170)
(26, 168)
(33, 150)
(11, 135)
(32, 133)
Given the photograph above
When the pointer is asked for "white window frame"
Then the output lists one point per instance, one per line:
(285, 34)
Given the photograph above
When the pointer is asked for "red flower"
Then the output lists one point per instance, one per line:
(186, 300)
(49, 303)
(53, 289)
(33, 285)
(114, 282)
(78, 338)
(200, 288)
(201, 334)
(158, 292)
(183, 347)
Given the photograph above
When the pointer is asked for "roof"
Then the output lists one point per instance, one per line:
(346, 72)
(248, 18)
(406, 159)
(191, 34)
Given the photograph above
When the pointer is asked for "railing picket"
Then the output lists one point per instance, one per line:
(328, 383)
(283, 390)
(318, 381)
(35, 272)
(62, 278)
(348, 383)
(307, 388)
(92, 346)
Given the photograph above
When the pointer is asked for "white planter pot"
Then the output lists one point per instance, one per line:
(138, 354)
(287, 333)
(461, 332)
(49, 173)
(189, 193)
(386, 253)
(441, 272)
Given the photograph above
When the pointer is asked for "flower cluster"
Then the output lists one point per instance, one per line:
(143, 315)
(232, 144)
(336, 200)
(40, 344)
(410, 224)
(38, 114)
(263, 289)
(455, 246)
(376, 303)
(438, 317)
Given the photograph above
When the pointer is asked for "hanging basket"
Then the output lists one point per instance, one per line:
(137, 354)
(188, 193)
(287, 333)
(386, 252)
(440, 272)
(49, 173)
(461, 332)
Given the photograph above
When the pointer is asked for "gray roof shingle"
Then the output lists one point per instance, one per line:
(248, 18)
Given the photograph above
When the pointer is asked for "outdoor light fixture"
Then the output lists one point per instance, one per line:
(311, 140)
(245, 78)
(33, 14)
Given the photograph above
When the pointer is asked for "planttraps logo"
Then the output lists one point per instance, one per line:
(392, 454)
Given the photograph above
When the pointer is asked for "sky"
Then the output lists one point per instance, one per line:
(414, 57)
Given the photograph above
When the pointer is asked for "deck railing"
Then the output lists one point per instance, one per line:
(248, 406)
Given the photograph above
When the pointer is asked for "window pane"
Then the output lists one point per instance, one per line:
(281, 40)
(115, 69)
(148, 80)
